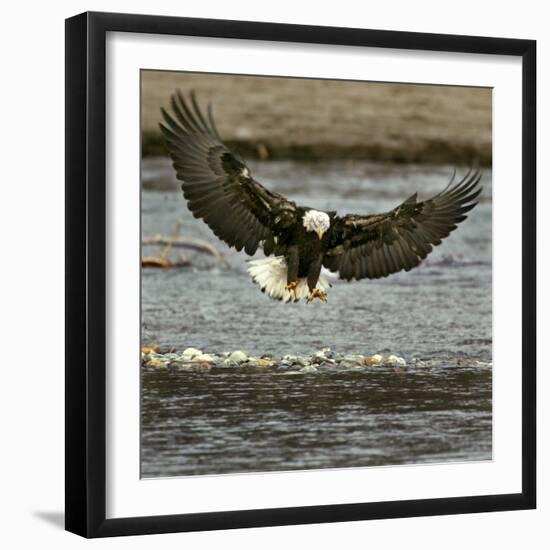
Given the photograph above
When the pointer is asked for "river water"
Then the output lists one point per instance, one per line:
(438, 317)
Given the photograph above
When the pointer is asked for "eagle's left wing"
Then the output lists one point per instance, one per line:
(376, 246)
(217, 183)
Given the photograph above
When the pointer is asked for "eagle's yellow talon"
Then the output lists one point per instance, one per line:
(292, 287)
(315, 293)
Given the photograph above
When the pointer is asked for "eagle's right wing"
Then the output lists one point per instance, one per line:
(217, 183)
(376, 246)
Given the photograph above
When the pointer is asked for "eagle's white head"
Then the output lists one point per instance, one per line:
(319, 222)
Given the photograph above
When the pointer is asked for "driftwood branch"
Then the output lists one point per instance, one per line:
(183, 242)
(164, 263)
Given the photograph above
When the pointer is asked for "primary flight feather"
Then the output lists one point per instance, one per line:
(298, 241)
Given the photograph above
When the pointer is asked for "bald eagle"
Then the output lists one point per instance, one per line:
(299, 241)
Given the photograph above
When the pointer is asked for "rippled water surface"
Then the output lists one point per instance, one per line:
(438, 317)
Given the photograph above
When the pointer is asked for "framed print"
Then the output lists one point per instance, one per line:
(300, 274)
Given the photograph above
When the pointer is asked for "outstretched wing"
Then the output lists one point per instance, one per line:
(217, 183)
(376, 246)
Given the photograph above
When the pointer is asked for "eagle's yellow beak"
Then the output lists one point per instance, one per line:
(319, 233)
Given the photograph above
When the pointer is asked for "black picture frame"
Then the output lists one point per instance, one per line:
(86, 274)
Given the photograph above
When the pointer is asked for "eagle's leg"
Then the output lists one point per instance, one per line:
(312, 278)
(292, 264)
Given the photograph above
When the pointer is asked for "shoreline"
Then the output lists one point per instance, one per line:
(427, 151)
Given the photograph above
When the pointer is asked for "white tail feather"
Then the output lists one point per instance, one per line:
(271, 275)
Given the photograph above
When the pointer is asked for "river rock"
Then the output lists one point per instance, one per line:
(320, 360)
(325, 353)
(154, 355)
(177, 365)
(190, 353)
(354, 358)
(148, 349)
(373, 360)
(395, 361)
(204, 358)
(308, 369)
(238, 357)
(326, 365)
(157, 363)
(264, 362)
